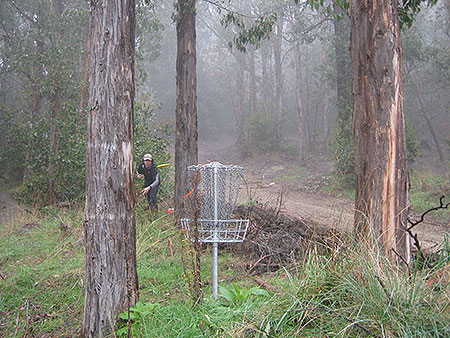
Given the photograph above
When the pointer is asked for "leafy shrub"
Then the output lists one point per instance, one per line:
(343, 148)
(138, 316)
(69, 161)
(411, 142)
(263, 133)
(69, 172)
(236, 296)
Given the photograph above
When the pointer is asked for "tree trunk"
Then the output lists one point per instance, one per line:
(252, 99)
(277, 44)
(343, 77)
(323, 87)
(299, 104)
(430, 124)
(382, 187)
(110, 231)
(186, 148)
(36, 102)
(267, 97)
(55, 107)
(240, 91)
(54, 144)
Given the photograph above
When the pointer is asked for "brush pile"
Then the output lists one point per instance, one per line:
(275, 239)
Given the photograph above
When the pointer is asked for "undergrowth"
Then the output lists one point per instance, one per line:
(346, 291)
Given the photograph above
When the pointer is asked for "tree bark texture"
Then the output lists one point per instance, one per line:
(382, 187)
(110, 232)
(186, 125)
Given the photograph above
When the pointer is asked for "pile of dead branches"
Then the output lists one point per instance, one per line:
(275, 239)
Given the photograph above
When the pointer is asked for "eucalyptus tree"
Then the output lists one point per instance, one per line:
(186, 134)
(110, 234)
(382, 186)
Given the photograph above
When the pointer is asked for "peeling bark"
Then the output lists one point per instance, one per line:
(110, 231)
(382, 187)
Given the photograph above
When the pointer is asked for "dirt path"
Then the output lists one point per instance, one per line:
(263, 182)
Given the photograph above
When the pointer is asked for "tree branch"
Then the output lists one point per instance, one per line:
(441, 206)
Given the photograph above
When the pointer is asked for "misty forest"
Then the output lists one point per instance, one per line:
(220, 168)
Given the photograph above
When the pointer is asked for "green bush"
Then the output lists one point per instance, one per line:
(70, 160)
(263, 133)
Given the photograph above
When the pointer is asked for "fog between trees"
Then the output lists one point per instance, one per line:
(254, 97)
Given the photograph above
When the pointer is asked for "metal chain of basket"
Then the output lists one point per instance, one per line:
(214, 191)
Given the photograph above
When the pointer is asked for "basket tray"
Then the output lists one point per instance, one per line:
(217, 231)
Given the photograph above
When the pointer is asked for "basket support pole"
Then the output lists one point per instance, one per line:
(215, 243)
(215, 265)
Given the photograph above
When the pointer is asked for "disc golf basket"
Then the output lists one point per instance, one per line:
(212, 199)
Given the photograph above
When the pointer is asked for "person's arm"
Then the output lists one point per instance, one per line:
(155, 182)
(140, 172)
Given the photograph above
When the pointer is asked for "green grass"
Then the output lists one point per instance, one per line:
(349, 292)
(426, 190)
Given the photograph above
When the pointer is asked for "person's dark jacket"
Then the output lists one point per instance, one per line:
(151, 176)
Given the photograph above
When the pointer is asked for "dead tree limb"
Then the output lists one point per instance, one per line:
(442, 205)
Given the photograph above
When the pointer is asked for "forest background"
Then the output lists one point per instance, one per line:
(288, 95)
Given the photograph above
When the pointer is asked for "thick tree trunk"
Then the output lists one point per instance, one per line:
(382, 187)
(110, 231)
(299, 105)
(186, 148)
